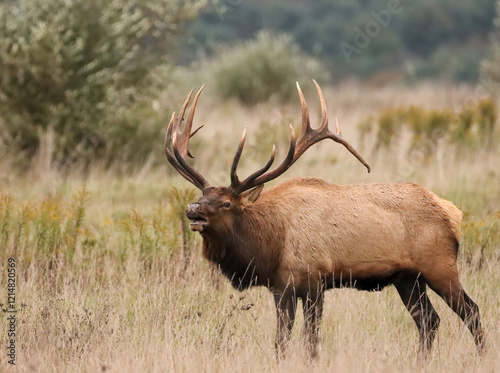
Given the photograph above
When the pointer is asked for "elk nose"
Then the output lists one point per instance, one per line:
(194, 207)
(193, 211)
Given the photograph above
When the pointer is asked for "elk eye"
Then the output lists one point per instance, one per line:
(226, 205)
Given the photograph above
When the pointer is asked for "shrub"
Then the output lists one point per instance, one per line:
(78, 68)
(474, 126)
(262, 68)
(57, 231)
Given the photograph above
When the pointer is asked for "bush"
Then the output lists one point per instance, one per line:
(474, 126)
(78, 68)
(262, 68)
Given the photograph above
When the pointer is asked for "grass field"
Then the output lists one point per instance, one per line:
(108, 277)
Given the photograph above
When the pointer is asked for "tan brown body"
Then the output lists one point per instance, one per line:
(304, 236)
(309, 229)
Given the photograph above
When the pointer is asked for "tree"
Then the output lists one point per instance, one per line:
(490, 68)
(72, 67)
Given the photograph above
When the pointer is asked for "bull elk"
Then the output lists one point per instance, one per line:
(304, 235)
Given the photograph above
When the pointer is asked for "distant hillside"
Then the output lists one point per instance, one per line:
(379, 39)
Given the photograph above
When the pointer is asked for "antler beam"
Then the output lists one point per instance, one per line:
(308, 137)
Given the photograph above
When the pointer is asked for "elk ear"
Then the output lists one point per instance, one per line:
(253, 194)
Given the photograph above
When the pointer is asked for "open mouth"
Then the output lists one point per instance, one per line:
(198, 223)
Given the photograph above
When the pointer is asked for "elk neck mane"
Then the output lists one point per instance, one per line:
(242, 250)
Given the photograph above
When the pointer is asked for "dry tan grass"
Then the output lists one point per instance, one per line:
(117, 307)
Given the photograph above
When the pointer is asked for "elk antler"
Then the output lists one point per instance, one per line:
(179, 142)
(308, 137)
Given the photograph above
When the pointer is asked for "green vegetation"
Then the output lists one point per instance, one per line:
(473, 127)
(422, 39)
(480, 238)
(263, 68)
(490, 68)
(55, 234)
(81, 80)
(82, 70)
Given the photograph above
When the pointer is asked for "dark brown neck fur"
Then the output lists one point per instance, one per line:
(242, 252)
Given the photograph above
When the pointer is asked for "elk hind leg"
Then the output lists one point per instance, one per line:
(286, 304)
(453, 294)
(313, 310)
(412, 290)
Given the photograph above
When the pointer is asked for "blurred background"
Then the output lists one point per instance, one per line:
(110, 276)
(413, 40)
(80, 81)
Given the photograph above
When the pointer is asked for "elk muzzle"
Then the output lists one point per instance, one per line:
(198, 221)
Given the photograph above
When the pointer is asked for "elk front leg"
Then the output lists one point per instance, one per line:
(313, 310)
(286, 304)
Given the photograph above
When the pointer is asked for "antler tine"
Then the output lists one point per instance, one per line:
(249, 181)
(306, 123)
(337, 128)
(189, 123)
(179, 143)
(199, 180)
(171, 158)
(180, 118)
(235, 182)
(196, 130)
(309, 138)
(236, 159)
(183, 138)
(168, 134)
(175, 123)
(338, 138)
(260, 176)
(324, 110)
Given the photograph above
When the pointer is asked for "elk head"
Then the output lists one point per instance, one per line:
(216, 209)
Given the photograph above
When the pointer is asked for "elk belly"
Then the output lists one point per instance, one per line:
(364, 276)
